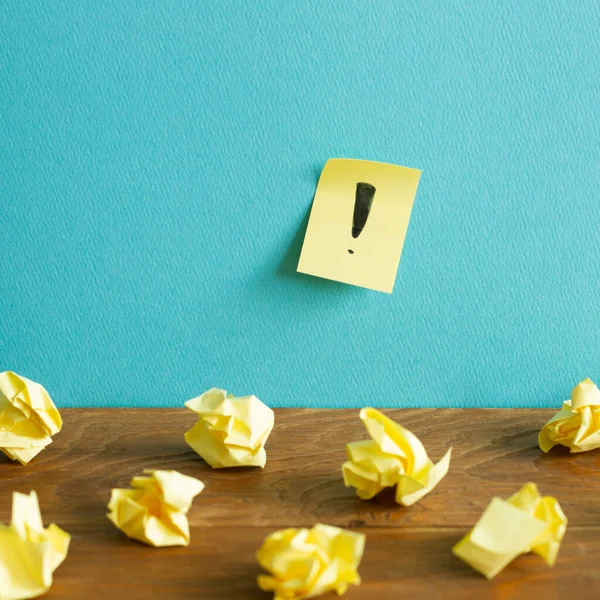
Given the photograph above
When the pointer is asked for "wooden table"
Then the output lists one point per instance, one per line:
(408, 550)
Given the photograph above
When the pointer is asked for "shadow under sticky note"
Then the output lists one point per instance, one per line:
(358, 222)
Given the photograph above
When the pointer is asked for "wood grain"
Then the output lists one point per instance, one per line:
(408, 549)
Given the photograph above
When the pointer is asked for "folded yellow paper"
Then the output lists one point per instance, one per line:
(154, 511)
(305, 563)
(28, 417)
(231, 432)
(393, 457)
(577, 424)
(29, 553)
(526, 522)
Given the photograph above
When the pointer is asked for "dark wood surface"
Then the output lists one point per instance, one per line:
(408, 550)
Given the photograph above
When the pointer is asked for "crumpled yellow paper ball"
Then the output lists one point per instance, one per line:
(526, 522)
(305, 563)
(577, 424)
(392, 457)
(154, 511)
(28, 417)
(29, 553)
(231, 432)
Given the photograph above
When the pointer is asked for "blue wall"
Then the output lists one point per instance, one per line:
(158, 161)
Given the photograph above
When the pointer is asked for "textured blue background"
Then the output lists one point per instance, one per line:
(158, 161)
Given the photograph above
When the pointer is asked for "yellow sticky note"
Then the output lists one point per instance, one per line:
(358, 222)
(577, 424)
(230, 431)
(29, 553)
(392, 457)
(154, 510)
(305, 563)
(526, 522)
(28, 417)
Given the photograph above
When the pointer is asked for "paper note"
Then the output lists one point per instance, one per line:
(358, 222)
(28, 417)
(230, 432)
(526, 522)
(154, 511)
(305, 563)
(29, 553)
(392, 457)
(577, 424)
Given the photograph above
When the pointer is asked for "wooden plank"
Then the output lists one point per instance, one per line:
(398, 563)
(408, 549)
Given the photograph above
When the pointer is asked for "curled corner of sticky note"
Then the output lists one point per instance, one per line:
(154, 510)
(304, 563)
(230, 431)
(393, 456)
(525, 522)
(29, 552)
(29, 417)
(577, 424)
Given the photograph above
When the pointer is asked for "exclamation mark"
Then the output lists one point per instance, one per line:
(365, 192)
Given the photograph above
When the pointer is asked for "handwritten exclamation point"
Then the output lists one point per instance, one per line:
(365, 192)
